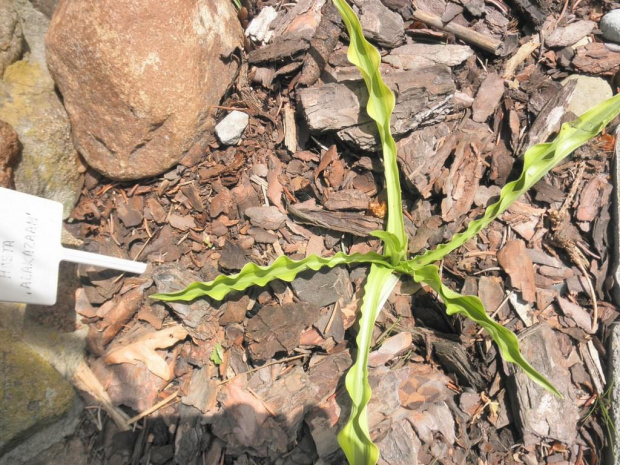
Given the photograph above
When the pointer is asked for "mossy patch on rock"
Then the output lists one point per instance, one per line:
(33, 394)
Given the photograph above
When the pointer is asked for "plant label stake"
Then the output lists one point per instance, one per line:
(30, 249)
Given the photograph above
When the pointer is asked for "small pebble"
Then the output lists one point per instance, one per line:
(230, 129)
(610, 26)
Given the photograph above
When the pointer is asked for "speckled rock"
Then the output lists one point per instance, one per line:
(46, 7)
(49, 163)
(11, 37)
(140, 93)
(32, 394)
(34, 25)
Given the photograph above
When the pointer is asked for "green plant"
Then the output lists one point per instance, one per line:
(386, 268)
(217, 356)
(237, 4)
(603, 403)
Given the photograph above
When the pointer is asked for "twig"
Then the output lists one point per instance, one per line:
(275, 362)
(569, 245)
(522, 54)
(573, 191)
(486, 43)
(155, 407)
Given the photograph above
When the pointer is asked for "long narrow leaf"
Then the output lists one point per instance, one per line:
(539, 160)
(282, 268)
(473, 309)
(355, 437)
(380, 106)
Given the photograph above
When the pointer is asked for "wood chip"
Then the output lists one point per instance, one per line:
(488, 97)
(182, 223)
(390, 348)
(347, 199)
(576, 313)
(571, 34)
(418, 56)
(597, 59)
(538, 413)
(513, 258)
(594, 195)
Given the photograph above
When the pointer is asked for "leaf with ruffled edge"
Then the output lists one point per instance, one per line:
(380, 106)
(538, 161)
(283, 268)
(472, 308)
(355, 437)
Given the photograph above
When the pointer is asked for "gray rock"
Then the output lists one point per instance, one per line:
(613, 47)
(38, 448)
(590, 90)
(11, 37)
(28, 102)
(610, 26)
(34, 26)
(321, 287)
(614, 380)
(47, 7)
(230, 129)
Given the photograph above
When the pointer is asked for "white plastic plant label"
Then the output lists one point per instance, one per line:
(30, 249)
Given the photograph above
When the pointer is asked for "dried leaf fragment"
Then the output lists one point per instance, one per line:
(142, 349)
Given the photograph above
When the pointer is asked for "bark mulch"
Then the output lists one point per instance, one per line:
(258, 378)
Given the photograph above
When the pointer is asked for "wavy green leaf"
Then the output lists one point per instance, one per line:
(389, 241)
(380, 106)
(282, 268)
(538, 161)
(354, 439)
(473, 309)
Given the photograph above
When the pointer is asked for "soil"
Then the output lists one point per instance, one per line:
(258, 378)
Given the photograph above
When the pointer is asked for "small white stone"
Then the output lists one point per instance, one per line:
(258, 29)
(610, 26)
(590, 90)
(230, 129)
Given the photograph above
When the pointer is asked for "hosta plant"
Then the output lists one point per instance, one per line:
(387, 268)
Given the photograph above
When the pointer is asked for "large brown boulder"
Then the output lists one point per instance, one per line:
(139, 77)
